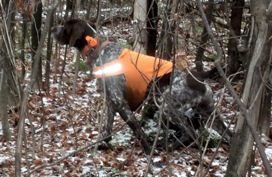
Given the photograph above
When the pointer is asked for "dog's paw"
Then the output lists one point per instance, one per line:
(106, 136)
(103, 146)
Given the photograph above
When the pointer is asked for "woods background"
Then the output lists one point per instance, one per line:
(50, 111)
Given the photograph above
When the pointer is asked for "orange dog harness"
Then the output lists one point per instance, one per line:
(138, 70)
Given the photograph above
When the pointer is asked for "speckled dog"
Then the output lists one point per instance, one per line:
(127, 75)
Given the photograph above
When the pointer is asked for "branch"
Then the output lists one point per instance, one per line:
(241, 105)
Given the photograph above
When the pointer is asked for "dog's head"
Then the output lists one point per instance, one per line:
(74, 32)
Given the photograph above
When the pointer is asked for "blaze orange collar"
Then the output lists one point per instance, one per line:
(91, 46)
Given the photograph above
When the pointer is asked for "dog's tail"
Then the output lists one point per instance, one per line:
(195, 79)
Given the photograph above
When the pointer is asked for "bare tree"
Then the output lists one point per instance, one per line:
(9, 87)
(139, 16)
(167, 43)
(254, 92)
(3, 95)
(36, 34)
(145, 16)
(234, 57)
(258, 72)
(204, 37)
(26, 91)
(151, 27)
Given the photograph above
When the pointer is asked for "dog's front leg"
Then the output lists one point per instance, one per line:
(115, 88)
(108, 124)
(130, 119)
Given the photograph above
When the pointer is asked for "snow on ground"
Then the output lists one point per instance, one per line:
(61, 121)
(70, 121)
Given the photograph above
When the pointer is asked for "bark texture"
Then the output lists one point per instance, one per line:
(242, 144)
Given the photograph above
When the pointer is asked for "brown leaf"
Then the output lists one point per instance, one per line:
(53, 128)
(38, 162)
(181, 61)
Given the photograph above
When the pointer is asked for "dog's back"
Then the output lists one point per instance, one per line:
(189, 92)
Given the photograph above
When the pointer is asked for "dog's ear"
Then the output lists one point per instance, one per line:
(76, 33)
(92, 25)
(79, 30)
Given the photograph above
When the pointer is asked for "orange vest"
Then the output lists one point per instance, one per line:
(138, 70)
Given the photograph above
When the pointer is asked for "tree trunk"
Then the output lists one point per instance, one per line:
(145, 16)
(23, 41)
(265, 114)
(4, 98)
(151, 27)
(139, 25)
(242, 144)
(9, 87)
(36, 34)
(166, 45)
(235, 24)
(48, 58)
(204, 38)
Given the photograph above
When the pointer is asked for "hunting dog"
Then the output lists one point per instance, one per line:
(127, 77)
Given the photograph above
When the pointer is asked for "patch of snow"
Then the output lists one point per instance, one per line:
(121, 159)
(58, 117)
(46, 101)
(27, 121)
(55, 85)
(96, 94)
(95, 132)
(268, 152)
(157, 159)
(46, 145)
(152, 126)
(256, 168)
(2, 159)
(180, 174)
(58, 144)
(218, 174)
(214, 134)
(23, 169)
(121, 139)
(92, 83)
(102, 173)
(1, 130)
(85, 170)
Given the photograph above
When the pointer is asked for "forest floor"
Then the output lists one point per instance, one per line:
(62, 129)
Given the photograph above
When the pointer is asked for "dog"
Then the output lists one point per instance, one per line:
(132, 77)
